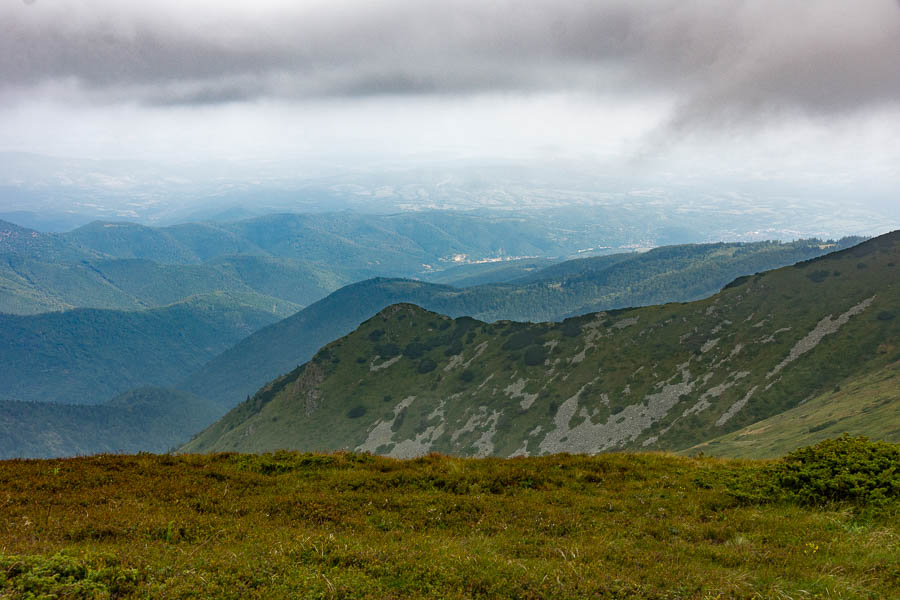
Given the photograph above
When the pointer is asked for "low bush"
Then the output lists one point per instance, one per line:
(62, 576)
(356, 412)
(426, 365)
(851, 469)
(535, 355)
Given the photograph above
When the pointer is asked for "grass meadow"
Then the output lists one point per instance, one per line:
(358, 526)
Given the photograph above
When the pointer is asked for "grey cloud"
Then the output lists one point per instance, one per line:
(719, 61)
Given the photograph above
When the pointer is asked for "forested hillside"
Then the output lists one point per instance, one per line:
(87, 356)
(294, 258)
(29, 286)
(145, 419)
(375, 244)
(467, 275)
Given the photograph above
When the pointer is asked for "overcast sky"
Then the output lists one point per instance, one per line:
(761, 87)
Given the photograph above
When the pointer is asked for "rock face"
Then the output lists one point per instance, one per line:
(408, 381)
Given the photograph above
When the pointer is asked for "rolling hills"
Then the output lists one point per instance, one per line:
(87, 356)
(29, 286)
(144, 419)
(371, 244)
(468, 275)
(666, 274)
(294, 258)
(409, 381)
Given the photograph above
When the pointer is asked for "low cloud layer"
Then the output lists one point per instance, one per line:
(716, 62)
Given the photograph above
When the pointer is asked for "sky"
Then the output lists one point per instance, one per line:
(769, 89)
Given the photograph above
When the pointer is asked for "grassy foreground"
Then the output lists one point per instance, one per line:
(351, 525)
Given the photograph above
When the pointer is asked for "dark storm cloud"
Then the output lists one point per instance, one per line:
(718, 61)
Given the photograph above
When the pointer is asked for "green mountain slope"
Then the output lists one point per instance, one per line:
(373, 244)
(671, 273)
(467, 275)
(865, 405)
(146, 419)
(179, 244)
(29, 286)
(409, 381)
(21, 241)
(87, 356)
(239, 371)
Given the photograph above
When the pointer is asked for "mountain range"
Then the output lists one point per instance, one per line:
(214, 325)
(409, 381)
(667, 274)
(292, 259)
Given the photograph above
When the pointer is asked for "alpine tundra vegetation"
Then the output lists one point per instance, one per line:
(820, 523)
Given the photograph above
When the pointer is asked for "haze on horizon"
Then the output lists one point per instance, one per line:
(797, 98)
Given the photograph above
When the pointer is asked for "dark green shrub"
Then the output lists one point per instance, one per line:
(356, 412)
(821, 426)
(467, 375)
(63, 576)
(818, 276)
(851, 469)
(535, 355)
(426, 365)
(414, 350)
(521, 339)
(387, 350)
(455, 347)
(571, 327)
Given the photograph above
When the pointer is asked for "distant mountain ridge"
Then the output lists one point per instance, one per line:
(374, 244)
(145, 419)
(28, 286)
(295, 258)
(87, 356)
(667, 274)
(409, 381)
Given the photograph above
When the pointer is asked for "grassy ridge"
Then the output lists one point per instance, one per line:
(865, 405)
(358, 526)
